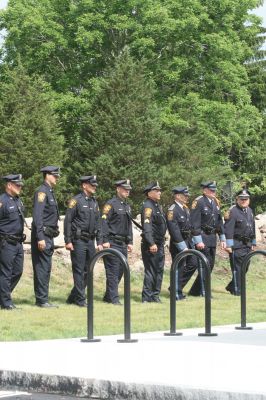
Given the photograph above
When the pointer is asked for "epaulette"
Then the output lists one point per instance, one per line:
(171, 207)
(217, 201)
(195, 202)
(227, 213)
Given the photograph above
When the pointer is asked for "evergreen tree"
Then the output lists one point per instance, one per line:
(30, 134)
(125, 138)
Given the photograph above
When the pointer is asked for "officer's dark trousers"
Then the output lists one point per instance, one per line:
(11, 267)
(236, 260)
(153, 272)
(80, 257)
(114, 272)
(186, 269)
(42, 265)
(197, 289)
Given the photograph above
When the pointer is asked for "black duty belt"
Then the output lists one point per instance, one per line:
(208, 230)
(185, 233)
(13, 239)
(244, 239)
(51, 231)
(83, 235)
(120, 239)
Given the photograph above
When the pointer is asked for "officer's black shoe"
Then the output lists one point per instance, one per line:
(117, 303)
(81, 304)
(46, 305)
(9, 307)
(180, 297)
(156, 300)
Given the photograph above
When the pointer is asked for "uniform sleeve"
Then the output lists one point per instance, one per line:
(229, 228)
(221, 228)
(106, 215)
(2, 211)
(147, 225)
(40, 199)
(70, 215)
(130, 232)
(196, 221)
(98, 224)
(174, 231)
(254, 231)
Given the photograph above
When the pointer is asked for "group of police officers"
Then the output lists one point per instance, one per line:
(87, 229)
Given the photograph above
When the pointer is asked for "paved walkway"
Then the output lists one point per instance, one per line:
(229, 366)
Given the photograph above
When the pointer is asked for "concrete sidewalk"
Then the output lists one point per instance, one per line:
(229, 366)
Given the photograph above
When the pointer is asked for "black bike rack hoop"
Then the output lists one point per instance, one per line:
(175, 265)
(127, 314)
(243, 299)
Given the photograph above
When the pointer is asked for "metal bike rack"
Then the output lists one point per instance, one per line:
(243, 288)
(175, 265)
(127, 316)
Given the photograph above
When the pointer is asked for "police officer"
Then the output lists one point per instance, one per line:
(240, 237)
(11, 238)
(152, 247)
(179, 226)
(44, 229)
(117, 234)
(82, 226)
(207, 221)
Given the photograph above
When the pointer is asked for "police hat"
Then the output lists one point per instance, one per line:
(51, 169)
(124, 183)
(209, 185)
(91, 179)
(17, 179)
(151, 186)
(243, 194)
(181, 190)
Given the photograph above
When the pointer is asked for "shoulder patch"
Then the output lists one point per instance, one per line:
(171, 207)
(217, 201)
(194, 204)
(170, 215)
(147, 212)
(41, 197)
(72, 203)
(226, 214)
(199, 197)
(106, 208)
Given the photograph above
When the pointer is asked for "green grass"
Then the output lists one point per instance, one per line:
(69, 321)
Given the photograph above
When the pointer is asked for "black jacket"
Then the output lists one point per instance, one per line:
(153, 222)
(82, 216)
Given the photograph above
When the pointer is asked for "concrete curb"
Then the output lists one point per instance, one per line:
(102, 389)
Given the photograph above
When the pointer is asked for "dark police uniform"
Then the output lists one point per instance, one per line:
(11, 238)
(82, 226)
(44, 227)
(117, 230)
(179, 227)
(154, 228)
(240, 237)
(206, 221)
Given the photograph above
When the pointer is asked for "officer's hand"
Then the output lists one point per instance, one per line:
(129, 247)
(69, 246)
(223, 245)
(99, 247)
(153, 248)
(41, 245)
(200, 246)
(229, 250)
(106, 245)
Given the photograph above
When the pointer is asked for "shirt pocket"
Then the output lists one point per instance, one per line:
(12, 214)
